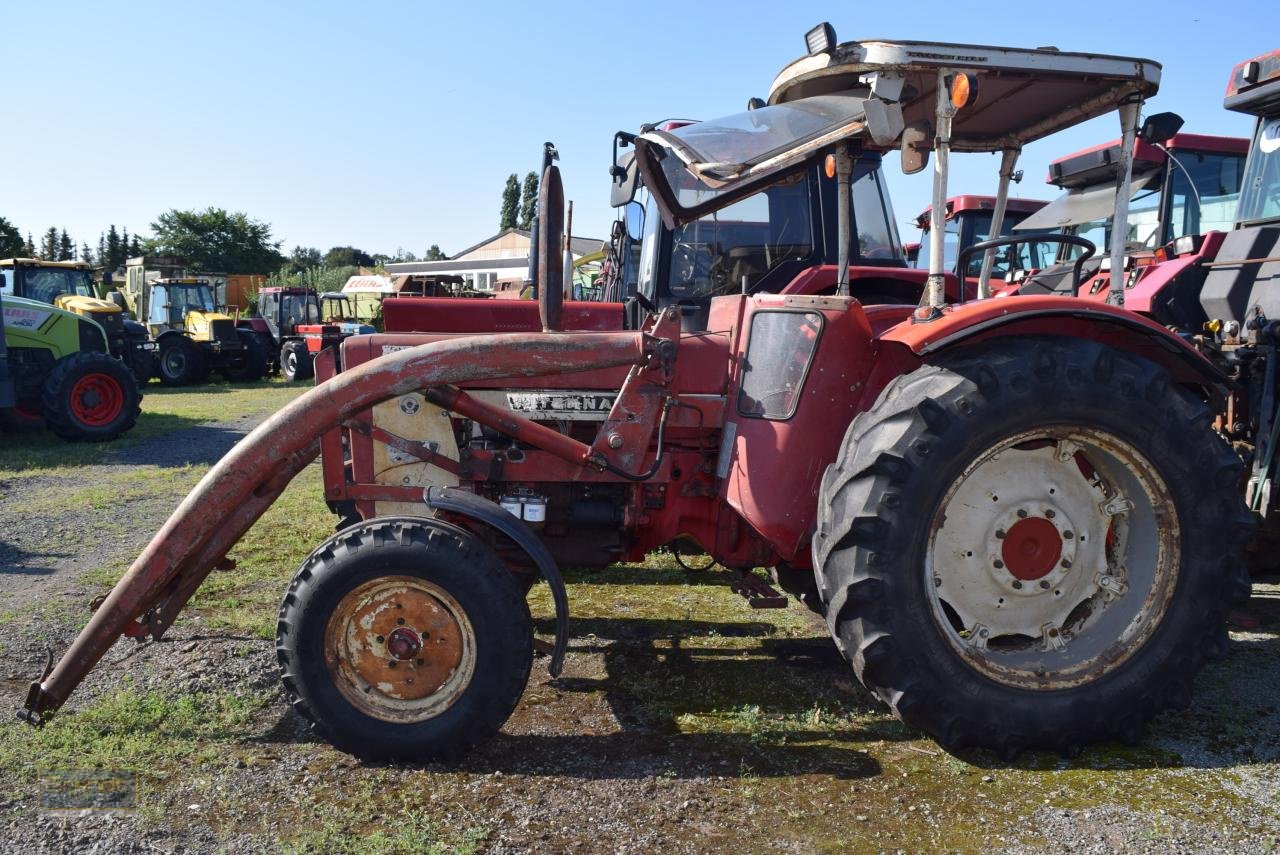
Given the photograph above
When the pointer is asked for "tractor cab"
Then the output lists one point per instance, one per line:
(968, 221)
(174, 301)
(1181, 186)
(285, 309)
(292, 326)
(69, 285)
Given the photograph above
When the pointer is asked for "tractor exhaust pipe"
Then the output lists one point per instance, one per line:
(241, 486)
(550, 260)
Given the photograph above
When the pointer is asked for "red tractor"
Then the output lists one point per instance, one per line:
(1182, 199)
(1013, 513)
(294, 331)
(968, 221)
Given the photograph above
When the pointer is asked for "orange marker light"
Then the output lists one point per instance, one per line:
(829, 166)
(964, 90)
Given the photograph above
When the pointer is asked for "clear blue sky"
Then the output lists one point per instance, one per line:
(394, 124)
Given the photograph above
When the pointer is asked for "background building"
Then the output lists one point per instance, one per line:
(503, 256)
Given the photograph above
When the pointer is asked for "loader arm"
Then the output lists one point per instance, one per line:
(245, 483)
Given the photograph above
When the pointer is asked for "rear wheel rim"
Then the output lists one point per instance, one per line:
(400, 649)
(1052, 558)
(97, 399)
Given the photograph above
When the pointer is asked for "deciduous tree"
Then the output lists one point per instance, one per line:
(11, 244)
(217, 240)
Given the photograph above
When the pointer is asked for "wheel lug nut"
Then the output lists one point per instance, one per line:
(1066, 562)
(998, 563)
(391, 663)
(1049, 515)
(1022, 514)
(1044, 583)
(380, 639)
(1068, 534)
(422, 662)
(1017, 585)
(400, 621)
(1000, 534)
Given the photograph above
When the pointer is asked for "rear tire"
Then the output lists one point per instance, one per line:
(959, 453)
(404, 637)
(181, 362)
(295, 362)
(90, 397)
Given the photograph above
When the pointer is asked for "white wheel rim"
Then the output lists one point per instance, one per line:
(1052, 557)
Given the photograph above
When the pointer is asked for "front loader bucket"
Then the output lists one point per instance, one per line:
(241, 486)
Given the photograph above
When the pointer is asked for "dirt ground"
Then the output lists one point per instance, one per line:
(684, 721)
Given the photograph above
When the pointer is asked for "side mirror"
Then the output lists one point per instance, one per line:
(915, 151)
(635, 220)
(626, 178)
(1158, 128)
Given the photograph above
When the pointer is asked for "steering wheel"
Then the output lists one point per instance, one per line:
(689, 265)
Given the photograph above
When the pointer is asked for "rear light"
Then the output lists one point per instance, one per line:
(1184, 245)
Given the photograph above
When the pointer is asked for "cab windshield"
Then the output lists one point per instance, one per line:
(761, 242)
(176, 301)
(47, 283)
(1260, 194)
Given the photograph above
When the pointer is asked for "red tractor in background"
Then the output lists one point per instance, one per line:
(293, 330)
(968, 221)
(1182, 198)
(1013, 513)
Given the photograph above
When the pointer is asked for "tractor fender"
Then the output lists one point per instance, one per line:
(1062, 316)
(256, 324)
(168, 334)
(492, 514)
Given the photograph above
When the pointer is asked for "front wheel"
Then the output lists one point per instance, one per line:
(1031, 544)
(251, 363)
(295, 362)
(181, 362)
(404, 637)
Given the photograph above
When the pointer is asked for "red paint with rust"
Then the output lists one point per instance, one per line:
(1031, 548)
(472, 315)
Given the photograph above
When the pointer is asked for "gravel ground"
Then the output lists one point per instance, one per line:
(631, 750)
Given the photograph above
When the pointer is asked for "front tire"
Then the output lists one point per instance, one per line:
(1031, 545)
(90, 397)
(295, 362)
(181, 362)
(404, 637)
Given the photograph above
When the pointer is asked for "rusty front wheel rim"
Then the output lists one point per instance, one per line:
(400, 649)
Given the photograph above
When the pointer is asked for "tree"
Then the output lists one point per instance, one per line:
(102, 249)
(135, 247)
(115, 254)
(529, 200)
(49, 245)
(434, 253)
(510, 203)
(304, 258)
(216, 239)
(66, 247)
(86, 253)
(11, 244)
(30, 249)
(347, 256)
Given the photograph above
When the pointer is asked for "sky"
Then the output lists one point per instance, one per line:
(391, 124)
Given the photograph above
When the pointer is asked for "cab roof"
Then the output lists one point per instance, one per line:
(1023, 94)
(1102, 162)
(968, 202)
(40, 262)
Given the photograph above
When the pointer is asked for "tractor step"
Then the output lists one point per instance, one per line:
(758, 593)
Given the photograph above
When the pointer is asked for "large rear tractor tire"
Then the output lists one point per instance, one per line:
(90, 397)
(1031, 544)
(295, 362)
(404, 637)
(251, 363)
(181, 362)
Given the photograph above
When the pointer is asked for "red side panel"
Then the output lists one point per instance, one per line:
(463, 314)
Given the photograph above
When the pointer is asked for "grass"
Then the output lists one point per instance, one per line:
(164, 411)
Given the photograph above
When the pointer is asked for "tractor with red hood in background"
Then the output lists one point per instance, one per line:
(1013, 513)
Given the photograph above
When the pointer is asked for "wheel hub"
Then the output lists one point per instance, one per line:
(1032, 554)
(400, 648)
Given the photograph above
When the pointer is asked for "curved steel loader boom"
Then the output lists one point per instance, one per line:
(241, 486)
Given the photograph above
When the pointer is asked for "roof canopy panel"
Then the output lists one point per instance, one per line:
(1023, 94)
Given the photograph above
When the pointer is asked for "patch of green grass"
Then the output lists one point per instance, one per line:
(164, 411)
(404, 833)
(129, 729)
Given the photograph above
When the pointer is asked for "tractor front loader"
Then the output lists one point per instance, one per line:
(1013, 513)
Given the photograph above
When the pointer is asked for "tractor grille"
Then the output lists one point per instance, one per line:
(224, 330)
(112, 323)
